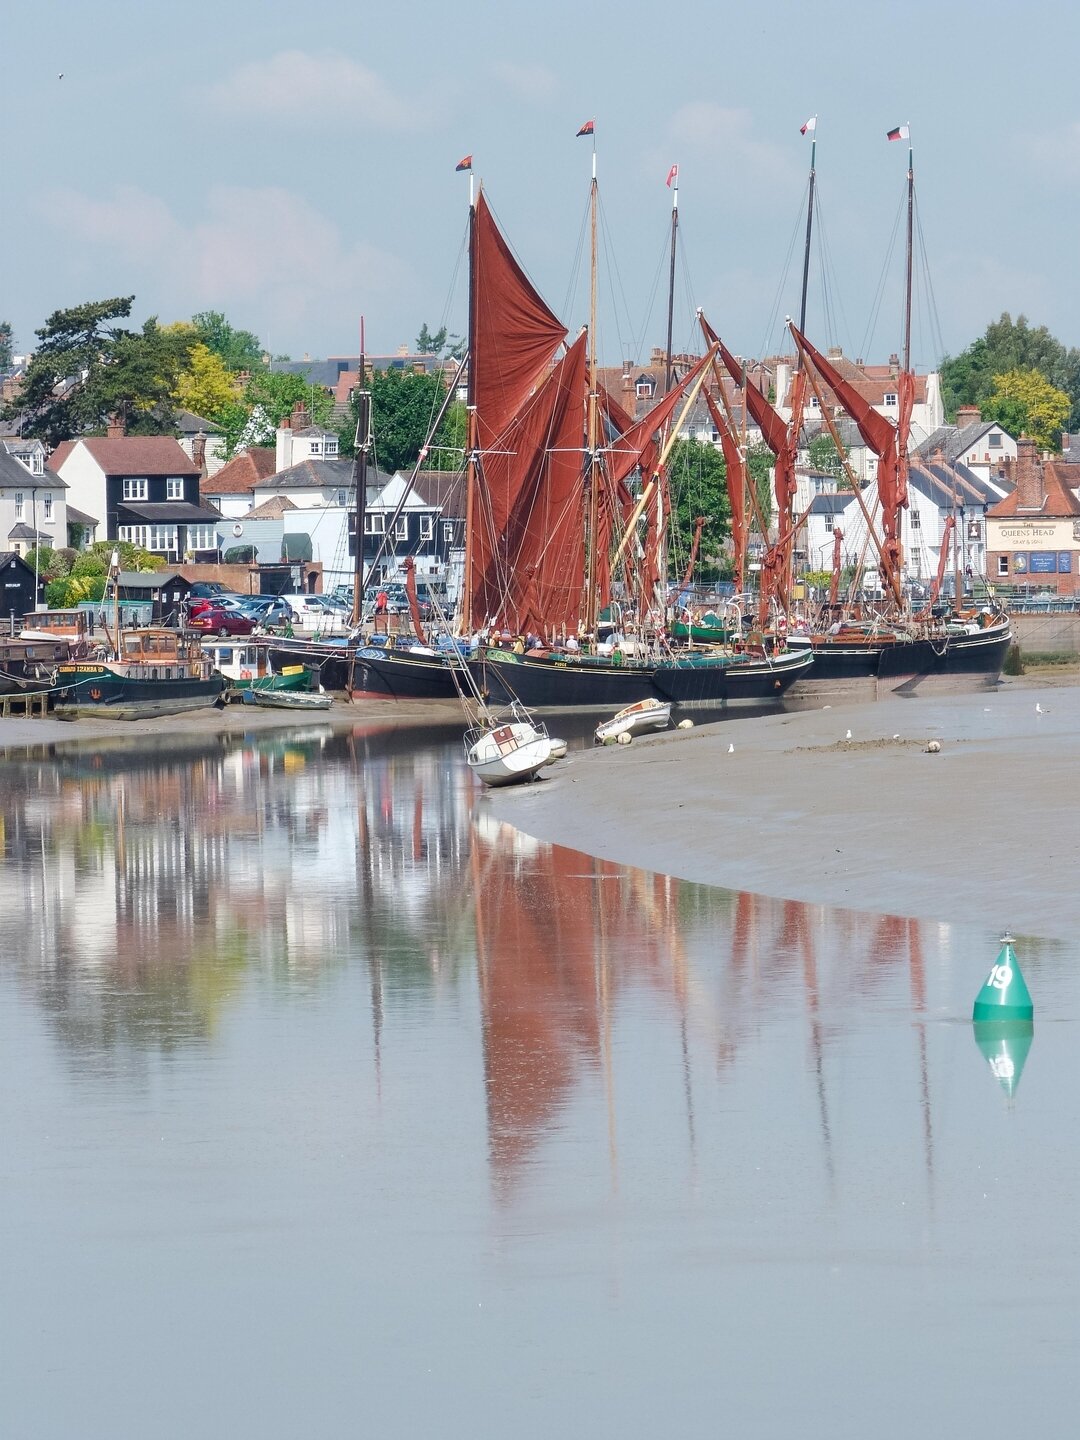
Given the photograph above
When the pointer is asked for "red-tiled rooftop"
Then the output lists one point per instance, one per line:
(242, 472)
(130, 455)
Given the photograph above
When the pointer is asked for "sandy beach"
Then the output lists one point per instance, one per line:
(984, 832)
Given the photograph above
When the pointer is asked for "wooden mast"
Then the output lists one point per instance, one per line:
(471, 438)
(593, 438)
(363, 447)
(669, 369)
(902, 437)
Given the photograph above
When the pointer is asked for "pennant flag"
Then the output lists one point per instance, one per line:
(673, 176)
(900, 133)
(465, 164)
(587, 128)
(809, 127)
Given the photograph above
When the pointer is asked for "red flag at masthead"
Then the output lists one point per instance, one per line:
(900, 133)
(588, 128)
(673, 176)
(464, 164)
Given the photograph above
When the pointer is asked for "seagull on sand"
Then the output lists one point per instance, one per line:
(731, 749)
(848, 735)
(1039, 709)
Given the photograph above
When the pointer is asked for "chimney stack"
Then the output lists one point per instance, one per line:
(116, 429)
(284, 449)
(967, 415)
(1030, 490)
(198, 453)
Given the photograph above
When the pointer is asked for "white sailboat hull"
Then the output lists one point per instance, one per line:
(635, 720)
(507, 754)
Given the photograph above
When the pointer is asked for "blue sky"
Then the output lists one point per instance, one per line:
(293, 165)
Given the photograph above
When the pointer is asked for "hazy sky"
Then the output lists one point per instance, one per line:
(293, 163)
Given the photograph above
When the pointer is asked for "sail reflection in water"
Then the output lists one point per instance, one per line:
(291, 1018)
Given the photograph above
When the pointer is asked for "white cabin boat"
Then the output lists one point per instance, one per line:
(635, 720)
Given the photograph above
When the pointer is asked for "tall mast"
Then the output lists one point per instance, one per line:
(592, 570)
(669, 370)
(363, 446)
(910, 250)
(809, 227)
(471, 442)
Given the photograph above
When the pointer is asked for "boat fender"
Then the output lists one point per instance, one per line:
(245, 674)
(626, 738)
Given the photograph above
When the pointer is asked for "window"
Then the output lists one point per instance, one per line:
(401, 529)
(315, 447)
(174, 488)
(892, 398)
(448, 532)
(201, 537)
(162, 537)
(1003, 564)
(343, 498)
(375, 523)
(46, 501)
(814, 403)
(644, 389)
(916, 520)
(994, 439)
(136, 534)
(20, 501)
(331, 446)
(134, 489)
(829, 523)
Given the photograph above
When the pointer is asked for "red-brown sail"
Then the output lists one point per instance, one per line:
(513, 334)
(889, 444)
(735, 462)
(528, 540)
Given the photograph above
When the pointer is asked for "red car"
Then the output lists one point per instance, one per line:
(216, 621)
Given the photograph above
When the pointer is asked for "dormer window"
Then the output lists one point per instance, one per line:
(814, 403)
(316, 447)
(892, 399)
(645, 388)
(994, 440)
(331, 446)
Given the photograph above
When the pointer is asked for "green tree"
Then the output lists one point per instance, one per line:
(7, 346)
(824, 456)
(1024, 402)
(969, 378)
(760, 462)
(206, 387)
(87, 368)
(237, 349)
(429, 344)
(268, 397)
(403, 406)
(697, 481)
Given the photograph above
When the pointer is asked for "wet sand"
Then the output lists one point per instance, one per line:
(985, 832)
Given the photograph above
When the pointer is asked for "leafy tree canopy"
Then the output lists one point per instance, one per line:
(268, 397)
(969, 378)
(237, 349)
(428, 343)
(7, 345)
(403, 406)
(206, 386)
(88, 368)
(697, 480)
(1025, 403)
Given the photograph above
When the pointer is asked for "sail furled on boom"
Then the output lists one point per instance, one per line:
(529, 543)
(513, 334)
(735, 463)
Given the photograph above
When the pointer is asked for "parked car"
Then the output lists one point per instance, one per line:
(206, 589)
(217, 620)
(318, 612)
(271, 610)
(227, 601)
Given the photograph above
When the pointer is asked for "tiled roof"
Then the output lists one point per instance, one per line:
(444, 489)
(15, 474)
(239, 475)
(25, 532)
(319, 475)
(1060, 501)
(271, 509)
(131, 455)
(79, 517)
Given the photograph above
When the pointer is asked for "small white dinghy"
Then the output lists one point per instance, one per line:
(635, 720)
(507, 753)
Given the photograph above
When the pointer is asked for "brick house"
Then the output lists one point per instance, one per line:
(1033, 535)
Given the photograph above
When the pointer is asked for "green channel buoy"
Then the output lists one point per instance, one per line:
(1004, 1045)
(1004, 995)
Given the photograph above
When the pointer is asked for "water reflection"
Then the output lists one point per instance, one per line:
(152, 889)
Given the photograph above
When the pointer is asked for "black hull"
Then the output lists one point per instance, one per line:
(369, 672)
(565, 683)
(842, 662)
(956, 659)
(89, 689)
(729, 681)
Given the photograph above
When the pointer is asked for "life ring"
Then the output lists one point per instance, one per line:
(245, 674)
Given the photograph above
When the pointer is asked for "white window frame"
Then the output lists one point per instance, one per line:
(427, 527)
(916, 520)
(134, 487)
(448, 532)
(401, 529)
(20, 502)
(892, 399)
(174, 488)
(1002, 565)
(374, 522)
(201, 537)
(330, 447)
(315, 447)
(47, 508)
(134, 534)
(162, 539)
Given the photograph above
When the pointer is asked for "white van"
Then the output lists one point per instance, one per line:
(317, 613)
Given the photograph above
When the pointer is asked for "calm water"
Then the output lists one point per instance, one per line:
(329, 1107)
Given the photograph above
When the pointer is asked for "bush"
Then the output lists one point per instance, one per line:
(65, 592)
(90, 564)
